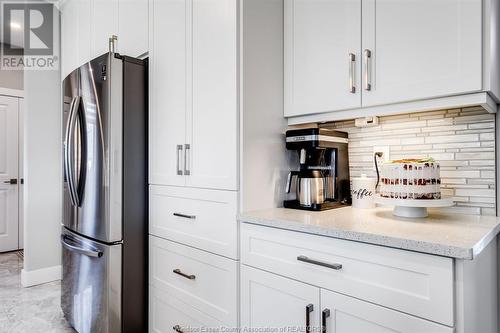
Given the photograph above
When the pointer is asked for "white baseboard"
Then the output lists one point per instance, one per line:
(39, 276)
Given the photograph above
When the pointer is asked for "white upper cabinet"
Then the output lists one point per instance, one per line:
(403, 51)
(133, 27)
(194, 105)
(126, 19)
(104, 25)
(87, 26)
(76, 35)
(420, 49)
(322, 55)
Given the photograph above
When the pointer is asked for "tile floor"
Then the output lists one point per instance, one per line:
(28, 310)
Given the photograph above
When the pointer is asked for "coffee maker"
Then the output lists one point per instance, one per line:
(322, 181)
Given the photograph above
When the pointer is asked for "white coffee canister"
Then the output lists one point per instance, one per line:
(363, 192)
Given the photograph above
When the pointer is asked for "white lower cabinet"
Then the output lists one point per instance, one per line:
(406, 281)
(170, 314)
(343, 314)
(275, 303)
(204, 281)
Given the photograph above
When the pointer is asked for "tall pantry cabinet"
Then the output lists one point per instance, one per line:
(216, 148)
(193, 87)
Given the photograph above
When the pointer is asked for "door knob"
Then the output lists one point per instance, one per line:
(12, 181)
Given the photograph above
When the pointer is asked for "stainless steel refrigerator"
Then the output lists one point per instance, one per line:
(104, 232)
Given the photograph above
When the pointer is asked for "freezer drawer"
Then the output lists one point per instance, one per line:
(91, 284)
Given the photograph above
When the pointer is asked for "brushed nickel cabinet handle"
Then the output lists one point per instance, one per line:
(334, 266)
(368, 70)
(187, 276)
(179, 153)
(352, 70)
(187, 160)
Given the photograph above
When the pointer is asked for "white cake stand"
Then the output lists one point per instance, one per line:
(413, 208)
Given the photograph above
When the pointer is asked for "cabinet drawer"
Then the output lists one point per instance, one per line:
(411, 282)
(205, 281)
(204, 219)
(167, 313)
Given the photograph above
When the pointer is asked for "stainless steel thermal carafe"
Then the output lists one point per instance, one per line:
(309, 186)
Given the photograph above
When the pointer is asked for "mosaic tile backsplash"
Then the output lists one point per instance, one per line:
(461, 140)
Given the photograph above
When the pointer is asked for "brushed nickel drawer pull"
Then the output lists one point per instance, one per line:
(319, 263)
(192, 217)
(187, 276)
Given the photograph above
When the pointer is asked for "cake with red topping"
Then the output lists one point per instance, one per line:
(410, 179)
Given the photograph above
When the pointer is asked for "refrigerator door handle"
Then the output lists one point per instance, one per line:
(74, 248)
(68, 151)
(82, 152)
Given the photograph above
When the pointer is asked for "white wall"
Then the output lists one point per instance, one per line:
(264, 162)
(42, 174)
(11, 79)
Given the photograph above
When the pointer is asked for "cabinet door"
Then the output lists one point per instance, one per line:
(420, 49)
(270, 301)
(168, 90)
(213, 123)
(168, 314)
(75, 34)
(133, 27)
(104, 25)
(343, 314)
(84, 35)
(69, 44)
(321, 36)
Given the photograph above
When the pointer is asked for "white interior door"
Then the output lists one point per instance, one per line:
(8, 171)
(421, 49)
(322, 55)
(20, 176)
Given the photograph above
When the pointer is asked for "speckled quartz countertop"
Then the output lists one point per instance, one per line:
(450, 235)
